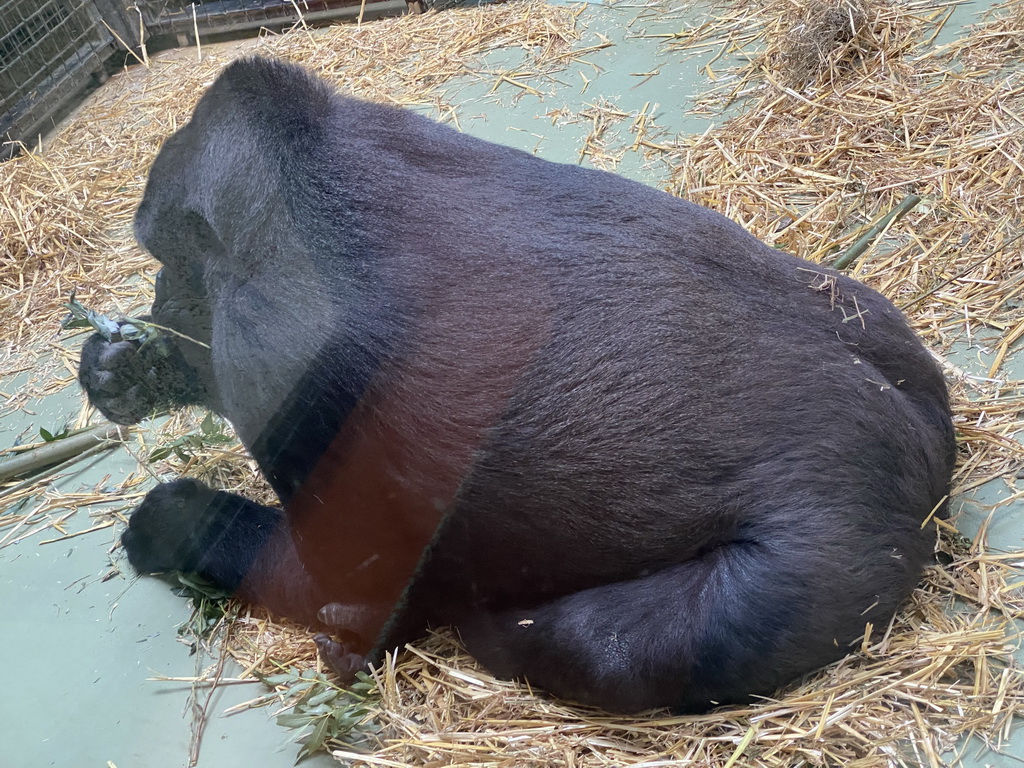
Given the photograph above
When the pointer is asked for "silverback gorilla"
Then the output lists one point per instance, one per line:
(632, 454)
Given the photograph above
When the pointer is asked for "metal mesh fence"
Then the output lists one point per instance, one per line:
(49, 49)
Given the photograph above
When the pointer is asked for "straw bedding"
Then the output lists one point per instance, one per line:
(832, 112)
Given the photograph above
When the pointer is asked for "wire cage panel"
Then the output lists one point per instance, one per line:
(52, 50)
(49, 50)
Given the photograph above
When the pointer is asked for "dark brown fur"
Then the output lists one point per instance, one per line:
(656, 461)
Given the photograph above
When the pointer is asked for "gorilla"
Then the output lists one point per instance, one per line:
(633, 455)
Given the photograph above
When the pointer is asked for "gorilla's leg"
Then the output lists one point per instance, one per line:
(249, 550)
(741, 620)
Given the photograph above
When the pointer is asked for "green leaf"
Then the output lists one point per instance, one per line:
(131, 332)
(276, 680)
(81, 316)
(71, 321)
(346, 719)
(49, 437)
(209, 426)
(316, 740)
(303, 686)
(363, 686)
(318, 711)
(159, 454)
(294, 720)
(323, 711)
(323, 697)
(77, 310)
(104, 325)
(204, 589)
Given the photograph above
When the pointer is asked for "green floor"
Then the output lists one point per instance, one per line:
(80, 649)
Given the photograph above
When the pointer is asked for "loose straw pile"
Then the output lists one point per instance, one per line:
(839, 110)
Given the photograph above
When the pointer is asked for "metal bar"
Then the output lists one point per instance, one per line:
(113, 13)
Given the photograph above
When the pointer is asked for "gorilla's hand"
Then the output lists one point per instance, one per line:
(337, 656)
(127, 381)
(170, 529)
(185, 526)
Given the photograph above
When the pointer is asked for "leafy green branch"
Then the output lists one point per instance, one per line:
(209, 606)
(210, 433)
(322, 711)
(126, 329)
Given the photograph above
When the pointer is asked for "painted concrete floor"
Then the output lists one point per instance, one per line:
(80, 648)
